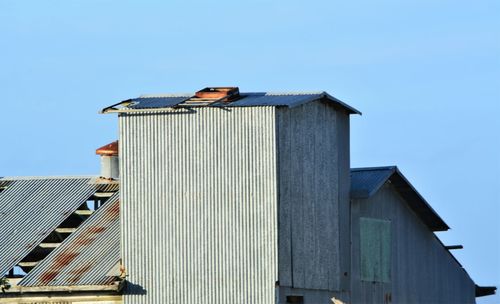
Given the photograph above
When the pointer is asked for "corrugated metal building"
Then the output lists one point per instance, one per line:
(208, 181)
(64, 233)
(228, 197)
(245, 198)
(396, 257)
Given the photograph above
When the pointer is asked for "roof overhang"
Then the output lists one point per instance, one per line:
(414, 200)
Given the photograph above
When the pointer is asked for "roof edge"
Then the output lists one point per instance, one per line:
(440, 223)
(408, 192)
(115, 286)
(350, 109)
(49, 177)
(122, 106)
(368, 194)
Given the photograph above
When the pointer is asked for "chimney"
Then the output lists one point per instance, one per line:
(109, 160)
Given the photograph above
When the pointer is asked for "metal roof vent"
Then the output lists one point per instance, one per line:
(109, 160)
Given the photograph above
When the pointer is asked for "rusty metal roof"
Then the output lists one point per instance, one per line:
(87, 256)
(31, 208)
(287, 99)
(365, 182)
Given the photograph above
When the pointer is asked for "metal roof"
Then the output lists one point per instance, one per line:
(365, 182)
(145, 102)
(87, 255)
(31, 208)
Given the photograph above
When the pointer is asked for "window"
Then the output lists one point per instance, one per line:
(375, 247)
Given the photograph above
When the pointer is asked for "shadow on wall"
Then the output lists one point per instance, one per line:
(134, 289)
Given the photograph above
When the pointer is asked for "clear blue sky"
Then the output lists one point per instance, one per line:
(425, 74)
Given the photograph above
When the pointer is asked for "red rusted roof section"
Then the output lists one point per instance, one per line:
(218, 92)
(108, 150)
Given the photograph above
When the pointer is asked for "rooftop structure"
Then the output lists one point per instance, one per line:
(227, 197)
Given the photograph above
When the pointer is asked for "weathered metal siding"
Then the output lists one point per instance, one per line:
(199, 196)
(313, 191)
(422, 271)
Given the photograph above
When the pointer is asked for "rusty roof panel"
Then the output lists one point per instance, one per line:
(86, 256)
(31, 208)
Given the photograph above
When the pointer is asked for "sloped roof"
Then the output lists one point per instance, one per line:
(31, 208)
(87, 256)
(365, 182)
(246, 100)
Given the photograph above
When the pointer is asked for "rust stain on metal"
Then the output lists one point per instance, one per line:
(114, 210)
(84, 241)
(79, 272)
(47, 277)
(64, 259)
(96, 229)
(64, 262)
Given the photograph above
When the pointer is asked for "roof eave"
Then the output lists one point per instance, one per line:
(116, 286)
(414, 200)
(349, 109)
(435, 222)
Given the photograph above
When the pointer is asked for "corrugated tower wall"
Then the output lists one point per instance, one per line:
(314, 183)
(199, 199)
(422, 271)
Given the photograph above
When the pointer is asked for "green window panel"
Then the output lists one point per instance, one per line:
(375, 246)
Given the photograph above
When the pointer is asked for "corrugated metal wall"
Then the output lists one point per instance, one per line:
(312, 193)
(199, 200)
(69, 298)
(422, 271)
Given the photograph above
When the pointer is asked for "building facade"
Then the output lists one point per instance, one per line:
(236, 203)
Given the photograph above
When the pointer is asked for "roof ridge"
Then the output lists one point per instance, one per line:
(270, 93)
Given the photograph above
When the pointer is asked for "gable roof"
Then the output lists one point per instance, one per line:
(149, 102)
(87, 256)
(365, 182)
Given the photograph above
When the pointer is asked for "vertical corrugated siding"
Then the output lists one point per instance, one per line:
(422, 271)
(309, 240)
(199, 206)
